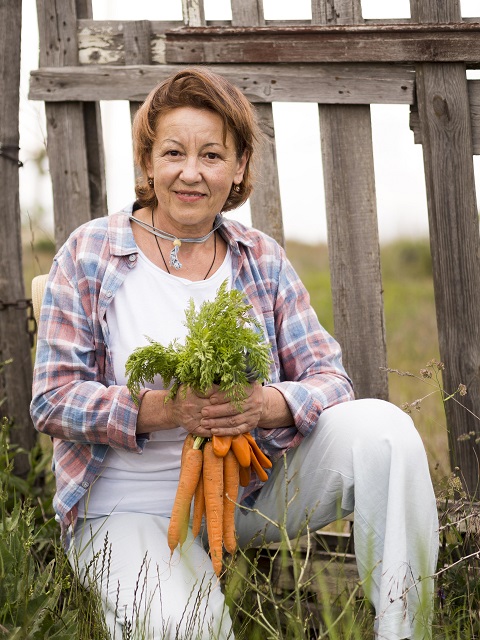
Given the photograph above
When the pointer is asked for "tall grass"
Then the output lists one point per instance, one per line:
(287, 591)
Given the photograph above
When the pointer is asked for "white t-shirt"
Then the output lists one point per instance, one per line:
(150, 303)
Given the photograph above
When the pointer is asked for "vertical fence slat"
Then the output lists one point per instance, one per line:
(15, 378)
(92, 120)
(136, 35)
(247, 13)
(445, 121)
(435, 11)
(335, 12)
(193, 13)
(354, 251)
(57, 21)
(265, 202)
(92, 128)
(94, 139)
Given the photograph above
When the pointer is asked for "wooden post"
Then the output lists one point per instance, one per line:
(15, 378)
(265, 203)
(354, 252)
(138, 50)
(193, 13)
(92, 121)
(77, 176)
(443, 108)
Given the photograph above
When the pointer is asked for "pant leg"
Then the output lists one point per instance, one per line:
(126, 558)
(364, 456)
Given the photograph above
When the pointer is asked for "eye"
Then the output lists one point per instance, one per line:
(173, 153)
(210, 155)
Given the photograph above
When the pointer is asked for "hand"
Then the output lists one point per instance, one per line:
(186, 410)
(219, 417)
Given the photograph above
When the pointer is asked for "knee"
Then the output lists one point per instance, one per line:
(388, 433)
(374, 428)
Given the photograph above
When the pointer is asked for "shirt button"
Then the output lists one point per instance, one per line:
(108, 294)
(132, 257)
(85, 485)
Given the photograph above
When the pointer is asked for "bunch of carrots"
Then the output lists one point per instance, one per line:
(224, 346)
(211, 472)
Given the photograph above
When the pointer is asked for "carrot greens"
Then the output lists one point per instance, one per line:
(224, 346)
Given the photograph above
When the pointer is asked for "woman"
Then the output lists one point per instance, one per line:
(129, 275)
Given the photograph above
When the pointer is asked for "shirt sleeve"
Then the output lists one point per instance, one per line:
(312, 376)
(71, 398)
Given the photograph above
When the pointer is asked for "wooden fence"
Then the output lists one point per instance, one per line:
(343, 63)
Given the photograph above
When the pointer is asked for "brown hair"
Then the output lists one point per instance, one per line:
(202, 89)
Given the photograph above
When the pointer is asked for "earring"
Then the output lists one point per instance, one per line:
(150, 182)
(236, 188)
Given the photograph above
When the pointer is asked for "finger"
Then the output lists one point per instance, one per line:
(231, 431)
(220, 410)
(252, 403)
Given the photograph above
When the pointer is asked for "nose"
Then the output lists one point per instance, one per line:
(190, 173)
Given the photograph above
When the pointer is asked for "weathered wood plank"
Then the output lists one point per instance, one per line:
(247, 13)
(372, 43)
(435, 12)
(101, 42)
(136, 35)
(15, 378)
(65, 122)
(68, 170)
(56, 28)
(92, 126)
(193, 13)
(92, 122)
(137, 51)
(327, 83)
(265, 201)
(473, 87)
(353, 245)
(354, 252)
(443, 107)
(326, 12)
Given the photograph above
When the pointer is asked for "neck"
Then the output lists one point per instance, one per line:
(197, 245)
(189, 233)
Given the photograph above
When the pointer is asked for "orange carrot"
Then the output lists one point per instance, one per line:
(241, 449)
(198, 507)
(190, 470)
(213, 489)
(244, 474)
(230, 496)
(257, 452)
(221, 445)
(261, 473)
(187, 444)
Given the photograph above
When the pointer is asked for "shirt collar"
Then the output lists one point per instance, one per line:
(120, 234)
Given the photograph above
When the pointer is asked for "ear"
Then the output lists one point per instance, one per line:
(242, 163)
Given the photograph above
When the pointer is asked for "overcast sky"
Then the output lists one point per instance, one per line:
(400, 186)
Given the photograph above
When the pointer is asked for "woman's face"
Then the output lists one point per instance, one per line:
(193, 170)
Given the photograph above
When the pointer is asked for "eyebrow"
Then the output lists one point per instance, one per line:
(207, 144)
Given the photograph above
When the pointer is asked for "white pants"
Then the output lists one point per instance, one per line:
(363, 456)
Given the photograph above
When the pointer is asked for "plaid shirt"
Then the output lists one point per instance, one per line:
(75, 398)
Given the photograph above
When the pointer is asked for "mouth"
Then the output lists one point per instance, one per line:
(190, 196)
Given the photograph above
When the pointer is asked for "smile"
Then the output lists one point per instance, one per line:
(189, 196)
